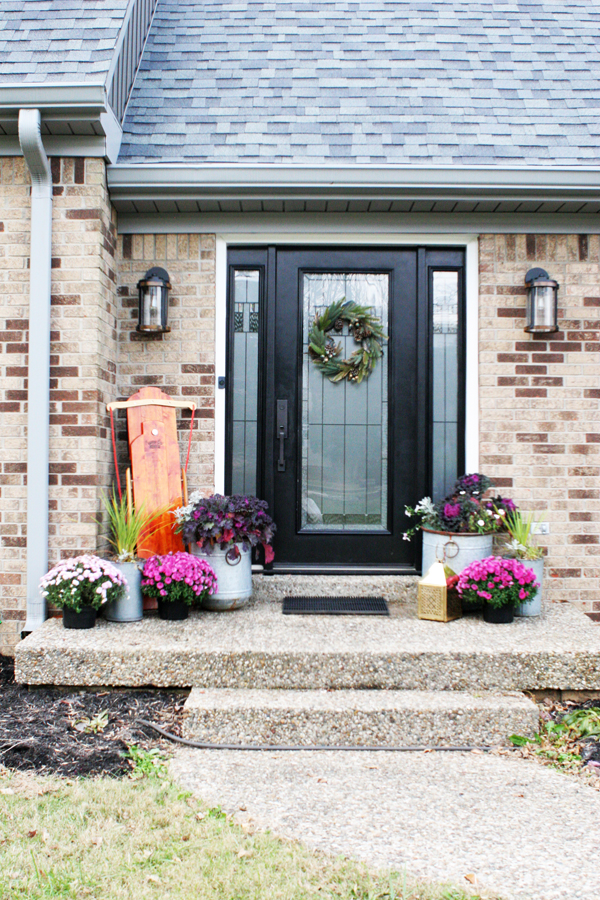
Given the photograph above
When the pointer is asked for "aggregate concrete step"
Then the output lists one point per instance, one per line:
(260, 648)
(357, 718)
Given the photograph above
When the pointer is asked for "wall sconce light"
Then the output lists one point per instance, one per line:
(154, 301)
(542, 292)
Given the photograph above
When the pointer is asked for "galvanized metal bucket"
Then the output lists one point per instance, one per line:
(234, 577)
(456, 550)
(533, 607)
(130, 607)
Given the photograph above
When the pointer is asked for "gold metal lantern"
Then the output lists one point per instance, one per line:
(434, 599)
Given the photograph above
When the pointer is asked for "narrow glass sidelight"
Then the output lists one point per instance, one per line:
(344, 462)
(246, 322)
(445, 388)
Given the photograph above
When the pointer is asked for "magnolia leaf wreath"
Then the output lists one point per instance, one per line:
(365, 329)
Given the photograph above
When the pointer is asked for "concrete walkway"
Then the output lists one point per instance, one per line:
(524, 831)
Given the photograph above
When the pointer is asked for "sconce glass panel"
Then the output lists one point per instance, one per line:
(542, 307)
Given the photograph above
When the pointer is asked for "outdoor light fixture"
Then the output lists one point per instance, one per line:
(154, 301)
(542, 293)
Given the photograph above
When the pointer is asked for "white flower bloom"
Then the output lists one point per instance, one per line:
(480, 522)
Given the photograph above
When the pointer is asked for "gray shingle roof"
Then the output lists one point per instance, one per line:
(58, 40)
(375, 81)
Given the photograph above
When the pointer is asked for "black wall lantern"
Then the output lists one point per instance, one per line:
(154, 301)
(542, 292)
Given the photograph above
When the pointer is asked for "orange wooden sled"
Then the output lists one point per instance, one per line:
(156, 478)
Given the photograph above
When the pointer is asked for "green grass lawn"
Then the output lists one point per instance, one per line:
(146, 838)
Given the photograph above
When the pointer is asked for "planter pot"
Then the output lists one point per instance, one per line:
(456, 550)
(84, 619)
(130, 608)
(174, 611)
(234, 578)
(534, 606)
(501, 616)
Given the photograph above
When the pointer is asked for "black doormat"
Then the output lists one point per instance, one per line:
(335, 606)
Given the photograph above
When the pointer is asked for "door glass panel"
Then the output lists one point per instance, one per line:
(344, 480)
(445, 381)
(246, 312)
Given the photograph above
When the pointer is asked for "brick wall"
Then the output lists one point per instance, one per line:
(83, 366)
(182, 362)
(539, 400)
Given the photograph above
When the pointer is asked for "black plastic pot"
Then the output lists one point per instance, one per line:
(84, 619)
(173, 610)
(501, 616)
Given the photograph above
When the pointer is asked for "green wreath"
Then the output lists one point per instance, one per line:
(365, 329)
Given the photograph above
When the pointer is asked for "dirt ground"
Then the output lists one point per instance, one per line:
(79, 732)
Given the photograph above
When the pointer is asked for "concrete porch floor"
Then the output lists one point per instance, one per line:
(259, 648)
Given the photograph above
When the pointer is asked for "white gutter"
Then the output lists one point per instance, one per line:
(40, 261)
(149, 181)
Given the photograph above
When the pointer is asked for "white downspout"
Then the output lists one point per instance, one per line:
(40, 263)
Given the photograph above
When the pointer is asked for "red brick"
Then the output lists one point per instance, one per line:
(16, 348)
(83, 480)
(565, 573)
(15, 467)
(592, 393)
(593, 438)
(64, 371)
(568, 347)
(79, 430)
(531, 438)
(547, 381)
(10, 407)
(578, 494)
(527, 346)
(531, 370)
(583, 539)
(547, 357)
(65, 300)
(591, 301)
(83, 214)
(511, 381)
(510, 313)
(580, 517)
(531, 392)
(512, 357)
(548, 448)
(197, 368)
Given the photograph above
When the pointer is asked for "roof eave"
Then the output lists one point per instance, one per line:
(168, 180)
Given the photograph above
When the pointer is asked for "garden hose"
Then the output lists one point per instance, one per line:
(285, 747)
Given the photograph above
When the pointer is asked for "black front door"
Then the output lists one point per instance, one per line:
(337, 461)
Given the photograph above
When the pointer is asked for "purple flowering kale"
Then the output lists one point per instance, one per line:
(224, 522)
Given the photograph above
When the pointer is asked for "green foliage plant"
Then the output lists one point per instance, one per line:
(127, 526)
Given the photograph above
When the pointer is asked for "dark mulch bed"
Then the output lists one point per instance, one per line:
(43, 729)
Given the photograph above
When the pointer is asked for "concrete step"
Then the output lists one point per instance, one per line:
(357, 718)
(259, 648)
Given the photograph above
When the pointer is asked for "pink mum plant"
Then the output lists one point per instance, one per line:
(498, 582)
(178, 576)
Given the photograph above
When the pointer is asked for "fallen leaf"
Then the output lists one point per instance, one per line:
(322, 780)
(200, 816)
(242, 807)
(31, 833)
(153, 878)
(472, 879)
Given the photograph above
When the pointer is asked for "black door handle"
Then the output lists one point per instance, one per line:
(282, 432)
(281, 460)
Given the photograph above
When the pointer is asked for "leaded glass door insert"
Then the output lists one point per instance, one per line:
(344, 475)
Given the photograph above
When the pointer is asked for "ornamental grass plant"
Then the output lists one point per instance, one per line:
(225, 522)
(497, 581)
(82, 581)
(520, 529)
(128, 525)
(178, 577)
